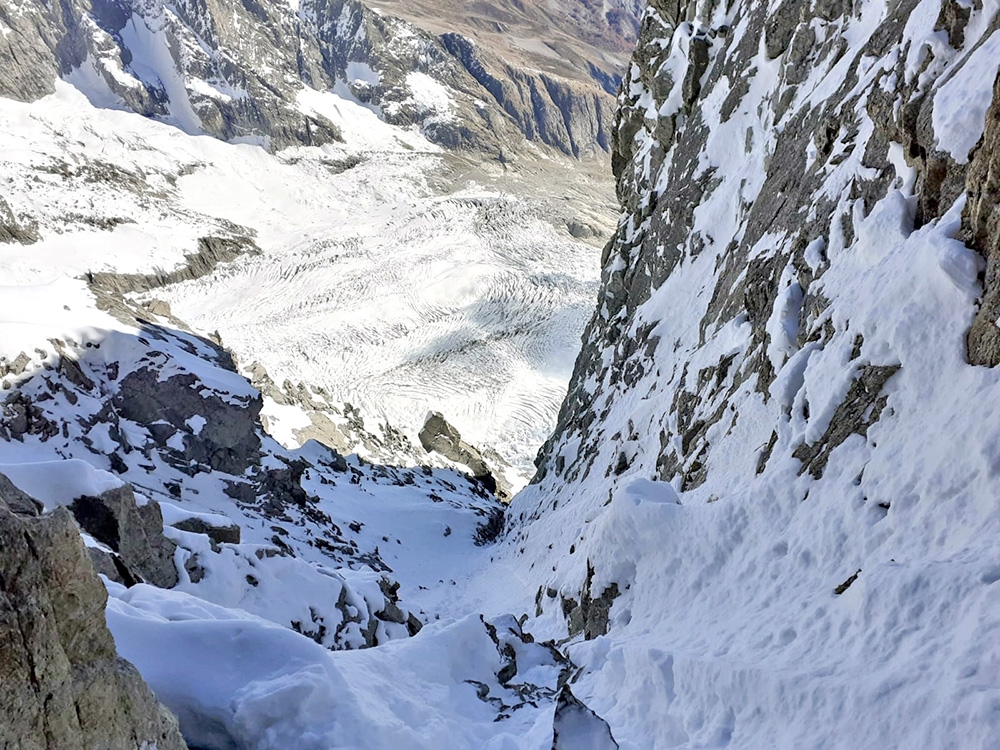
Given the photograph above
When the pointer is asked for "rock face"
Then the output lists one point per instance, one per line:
(576, 727)
(981, 230)
(211, 252)
(787, 215)
(226, 440)
(11, 230)
(220, 534)
(242, 69)
(439, 436)
(63, 684)
(134, 533)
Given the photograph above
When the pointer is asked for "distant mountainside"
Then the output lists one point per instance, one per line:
(237, 71)
(573, 38)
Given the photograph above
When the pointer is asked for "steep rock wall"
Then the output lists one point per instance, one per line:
(777, 444)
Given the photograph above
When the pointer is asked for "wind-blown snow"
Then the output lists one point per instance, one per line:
(420, 694)
(55, 483)
(960, 104)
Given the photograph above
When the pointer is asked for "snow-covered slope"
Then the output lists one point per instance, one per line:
(236, 567)
(776, 463)
(767, 517)
(399, 278)
(214, 539)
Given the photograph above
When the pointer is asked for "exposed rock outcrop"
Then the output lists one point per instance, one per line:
(590, 615)
(133, 532)
(12, 230)
(218, 533)
(226, 440)
(778, 254)
(575, 726)
(63, 684)
(981, 230)
(242, 69)
(440, 436)
(211, 252)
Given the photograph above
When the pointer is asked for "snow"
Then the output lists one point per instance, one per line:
(359, 72)
(295, 693)
(361, 125)
(87, 80)
(734, 625)
(429, 94)
(28, 326)
(153, 64)
(500, 291)
(173, 514)
(960, 104)
(56, 483)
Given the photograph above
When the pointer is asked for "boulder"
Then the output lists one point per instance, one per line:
(228, 441)
(62, 684)
(221, 534)
(134, 533)
(440, 436)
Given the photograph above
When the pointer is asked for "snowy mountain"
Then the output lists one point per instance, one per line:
(246, 72)
(767, 514)
(775, 470)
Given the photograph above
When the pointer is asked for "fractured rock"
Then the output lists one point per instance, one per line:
(228, 534)
(439, 436)
(62, 684)
(981, 231)
(133, 532)
(228, 441)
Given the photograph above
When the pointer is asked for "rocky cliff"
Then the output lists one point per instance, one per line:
(815, 155)
(768, 515)
(781, 400)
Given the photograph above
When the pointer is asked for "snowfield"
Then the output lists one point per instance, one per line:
(397, 277)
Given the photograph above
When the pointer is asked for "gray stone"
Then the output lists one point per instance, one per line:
(981, 231)
(18, 366)
(134, 533)
(16, 500)
(228, 441)
(439, 436)
(11, 230)
(591, 615)
(860, 409)
(576, 727)
(211, 252)
(62, 684)
(228, 534)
